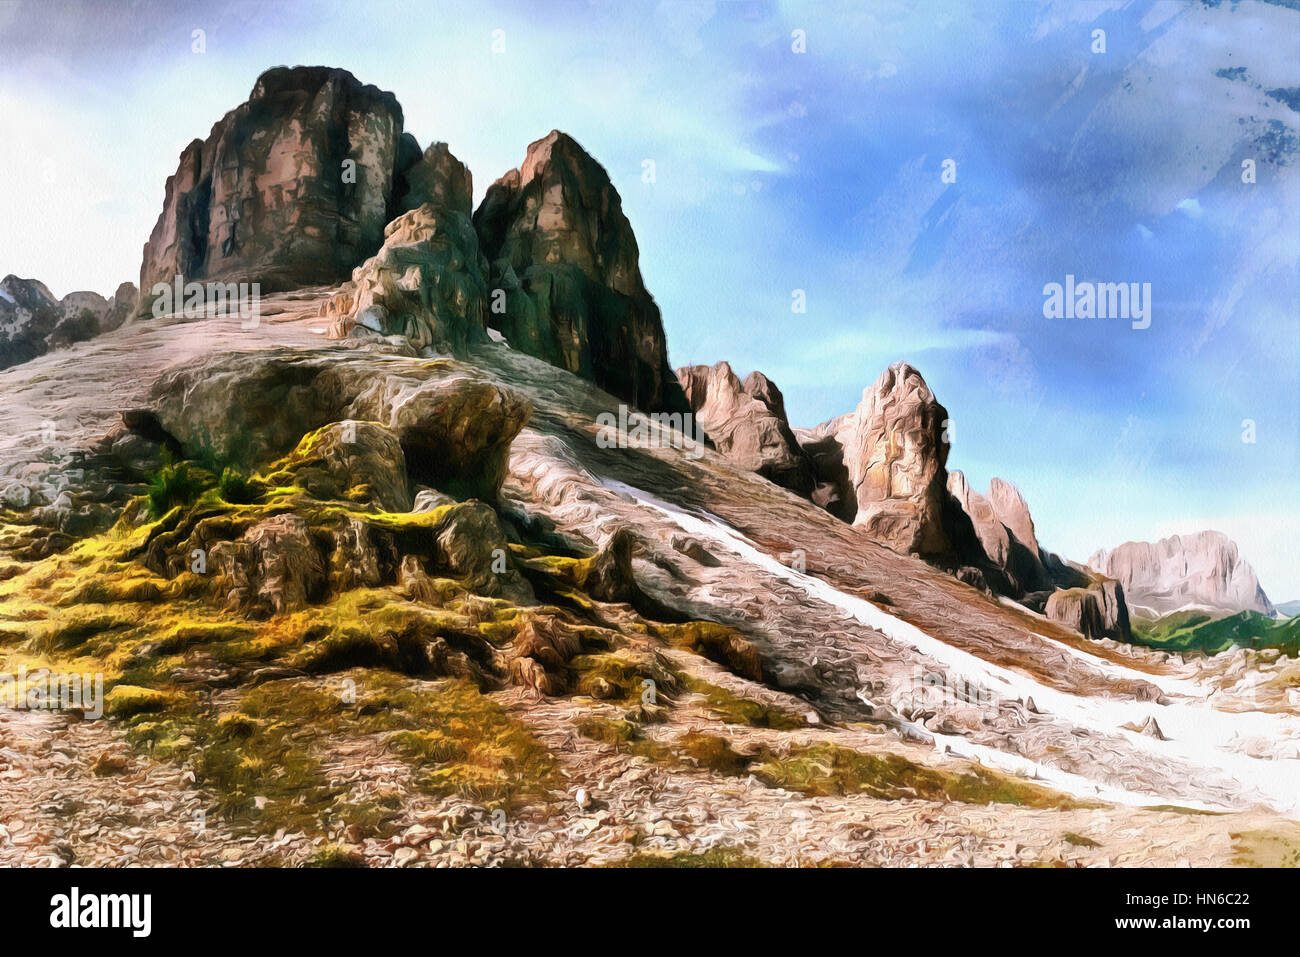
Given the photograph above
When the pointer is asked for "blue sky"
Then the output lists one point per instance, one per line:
(820, 171)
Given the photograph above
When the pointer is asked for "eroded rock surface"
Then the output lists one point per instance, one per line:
(292, 188)
(1200, 569)
(564, 255)
(747, 423)
(425, 284)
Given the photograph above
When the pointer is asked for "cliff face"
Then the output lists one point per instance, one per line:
(292, 188)
(1200, 569)
(565, 276)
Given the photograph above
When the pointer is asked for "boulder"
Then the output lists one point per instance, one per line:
(291, 188)
(456, 428)
(453, 424)
(350, 460)
(471, 545)
(564, 268)
(1095, 611)
(747, 423)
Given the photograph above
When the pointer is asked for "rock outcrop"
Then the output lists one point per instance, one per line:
(895, 452)
(292, 188)
(33, 322)
(566, 282)
(426, 284)
(1096, 611)
(1005, 530)
(437, 177)
(1199, 569)
(747, 423)
(454, 427)
(353, 461)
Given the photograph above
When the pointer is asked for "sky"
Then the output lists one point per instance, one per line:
(803, 147)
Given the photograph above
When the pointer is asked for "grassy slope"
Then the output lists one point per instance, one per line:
(1200, 631)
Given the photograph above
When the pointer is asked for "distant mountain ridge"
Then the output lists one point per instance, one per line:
(33, 321)
(1202, 569)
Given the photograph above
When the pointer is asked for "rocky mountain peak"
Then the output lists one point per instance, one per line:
(1013, 512)
(33, 321)
(896, 452)
(747, 423)
(1203, 568)
(292, 188)
(564, 255)
(440, 178)
(26, 293)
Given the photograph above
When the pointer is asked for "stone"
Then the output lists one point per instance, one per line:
(747, 423)
(275, 567)
(454, 425)
(430, 499)
(472, 546)
(563, 255)
(351, 460)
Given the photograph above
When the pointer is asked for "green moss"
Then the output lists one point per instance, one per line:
(126, 701)
(609, 731)
(737, 710)
(626, 677)
(720, 644)
(1078, 840)
(711, 752)
(237, 489)
(1279, 847)
(176, 485)
(717, 857)
(335, 855)
(826, 769)
(459, 741)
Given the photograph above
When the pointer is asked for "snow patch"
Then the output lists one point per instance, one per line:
(1200, 736)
